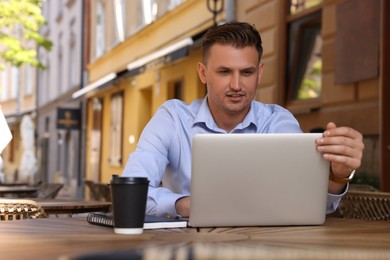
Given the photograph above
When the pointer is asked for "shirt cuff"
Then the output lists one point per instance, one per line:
(166, 206)
(333, 200)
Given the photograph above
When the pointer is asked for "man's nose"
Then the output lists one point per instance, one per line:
(235, 81)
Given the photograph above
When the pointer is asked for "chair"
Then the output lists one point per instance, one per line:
(365, 204)
(89, 185)
(17, 209)
(49, 190)
(362, 187)
(99, 191)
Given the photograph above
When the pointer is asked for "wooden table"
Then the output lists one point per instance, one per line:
(17, 190)
(62, 206)
(52, 238)
(14, 184)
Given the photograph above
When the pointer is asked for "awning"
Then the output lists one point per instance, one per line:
(99, 83)
(164, 56)
(160, 53)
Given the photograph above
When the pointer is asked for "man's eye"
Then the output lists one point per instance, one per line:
(247, 72)
(223, 71)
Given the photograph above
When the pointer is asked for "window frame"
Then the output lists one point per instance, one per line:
(297, 106)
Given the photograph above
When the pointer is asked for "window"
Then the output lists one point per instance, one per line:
(100, 30)
(116, 130)
(304, 62)
(15, 82)
(28, 81)
(161, 7)
(134, 18)
(46, 9)
(140, 13)
(297, 6)
(116, 20)
(73, 60)
(60, 66)
(95, 145)
(149, 8)
(59, 7)
(59, 72)
(120, 7)
(47, 96)
(175, 90)
(4, 85)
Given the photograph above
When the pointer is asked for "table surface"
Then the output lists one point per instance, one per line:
(16, 189)
(63, 206)
(7, 184)
(70, 238)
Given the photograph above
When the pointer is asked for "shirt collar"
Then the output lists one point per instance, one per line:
(205, 119)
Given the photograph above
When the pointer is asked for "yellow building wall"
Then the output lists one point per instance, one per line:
(187, 19)
(138, 99)
(144, 93)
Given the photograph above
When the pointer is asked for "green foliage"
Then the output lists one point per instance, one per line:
(311, 84)
(365, 178)
(20, 21)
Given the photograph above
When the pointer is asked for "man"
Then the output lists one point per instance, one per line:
(231, 70)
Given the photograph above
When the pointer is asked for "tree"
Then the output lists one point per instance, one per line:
(20, 21)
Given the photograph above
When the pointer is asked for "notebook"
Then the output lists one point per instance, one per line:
(257, 180)
(151, 222)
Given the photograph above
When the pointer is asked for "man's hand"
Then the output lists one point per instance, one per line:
(343, 147)
(182, 206)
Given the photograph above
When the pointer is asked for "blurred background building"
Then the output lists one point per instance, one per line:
(58, 115)
(18, 102)
(114, 62)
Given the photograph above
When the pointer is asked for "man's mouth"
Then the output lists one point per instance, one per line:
(235, 95)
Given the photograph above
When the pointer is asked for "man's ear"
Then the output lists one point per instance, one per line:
(202, 72)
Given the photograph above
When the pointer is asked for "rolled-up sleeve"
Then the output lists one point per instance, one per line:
(150, 160)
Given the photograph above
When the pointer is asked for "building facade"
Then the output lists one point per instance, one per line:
(308, 56)
(18, 103)
(58, 115)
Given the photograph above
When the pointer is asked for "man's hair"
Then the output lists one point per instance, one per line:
(236, 34)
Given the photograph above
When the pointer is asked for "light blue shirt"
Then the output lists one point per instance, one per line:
(163, 153)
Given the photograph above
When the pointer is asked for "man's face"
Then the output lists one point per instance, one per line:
(231, 76)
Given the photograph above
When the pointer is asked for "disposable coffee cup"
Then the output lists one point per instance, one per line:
(129, 203)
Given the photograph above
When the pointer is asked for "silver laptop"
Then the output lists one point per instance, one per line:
(257, 180)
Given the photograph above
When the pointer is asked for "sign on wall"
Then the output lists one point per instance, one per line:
(68, 118)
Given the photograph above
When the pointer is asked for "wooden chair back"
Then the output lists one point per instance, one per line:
(49, 190)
